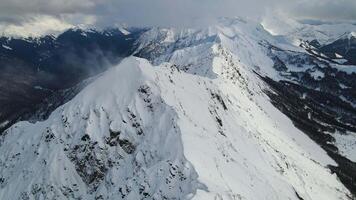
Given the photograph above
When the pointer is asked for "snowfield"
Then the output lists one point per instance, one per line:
(194, 125)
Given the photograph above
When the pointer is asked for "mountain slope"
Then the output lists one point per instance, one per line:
(36, 69)
(165, 134)
(344, 47)
(317, 90)
(99, 145)
(314, 91)
(199, 124)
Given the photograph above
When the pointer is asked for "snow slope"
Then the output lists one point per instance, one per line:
(107, 142)
(324, 32)
(196, 125)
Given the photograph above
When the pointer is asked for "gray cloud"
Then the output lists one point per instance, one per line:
(325, 9)
(164, 12)
(181, 12)
(45, 6)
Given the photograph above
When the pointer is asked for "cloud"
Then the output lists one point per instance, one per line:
(35, 26)
(181, 12)
(11, 8)
(325, 9)
(38, 17)
(103, 13)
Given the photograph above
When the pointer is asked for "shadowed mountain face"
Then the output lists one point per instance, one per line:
(318, 94)
(345, 47)
(342, 49)
(35, 69)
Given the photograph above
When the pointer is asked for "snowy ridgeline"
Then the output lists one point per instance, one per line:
(195, 126)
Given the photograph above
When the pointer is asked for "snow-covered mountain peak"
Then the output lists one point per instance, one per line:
(194, 50)
(306, 30)
(193, 121)
(117, 139)
(241, 26)
(143, 131)
(227, 26)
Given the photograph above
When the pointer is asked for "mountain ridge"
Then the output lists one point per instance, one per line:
(198, 124)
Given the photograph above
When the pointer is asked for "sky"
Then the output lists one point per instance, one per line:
(36, 17)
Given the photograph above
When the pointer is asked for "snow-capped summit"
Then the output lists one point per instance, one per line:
(323, 31)
(194, 120)
(156, 132)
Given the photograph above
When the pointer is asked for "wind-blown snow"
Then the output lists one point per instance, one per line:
(196, 125)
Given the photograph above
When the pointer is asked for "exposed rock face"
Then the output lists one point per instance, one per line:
(101, 146)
